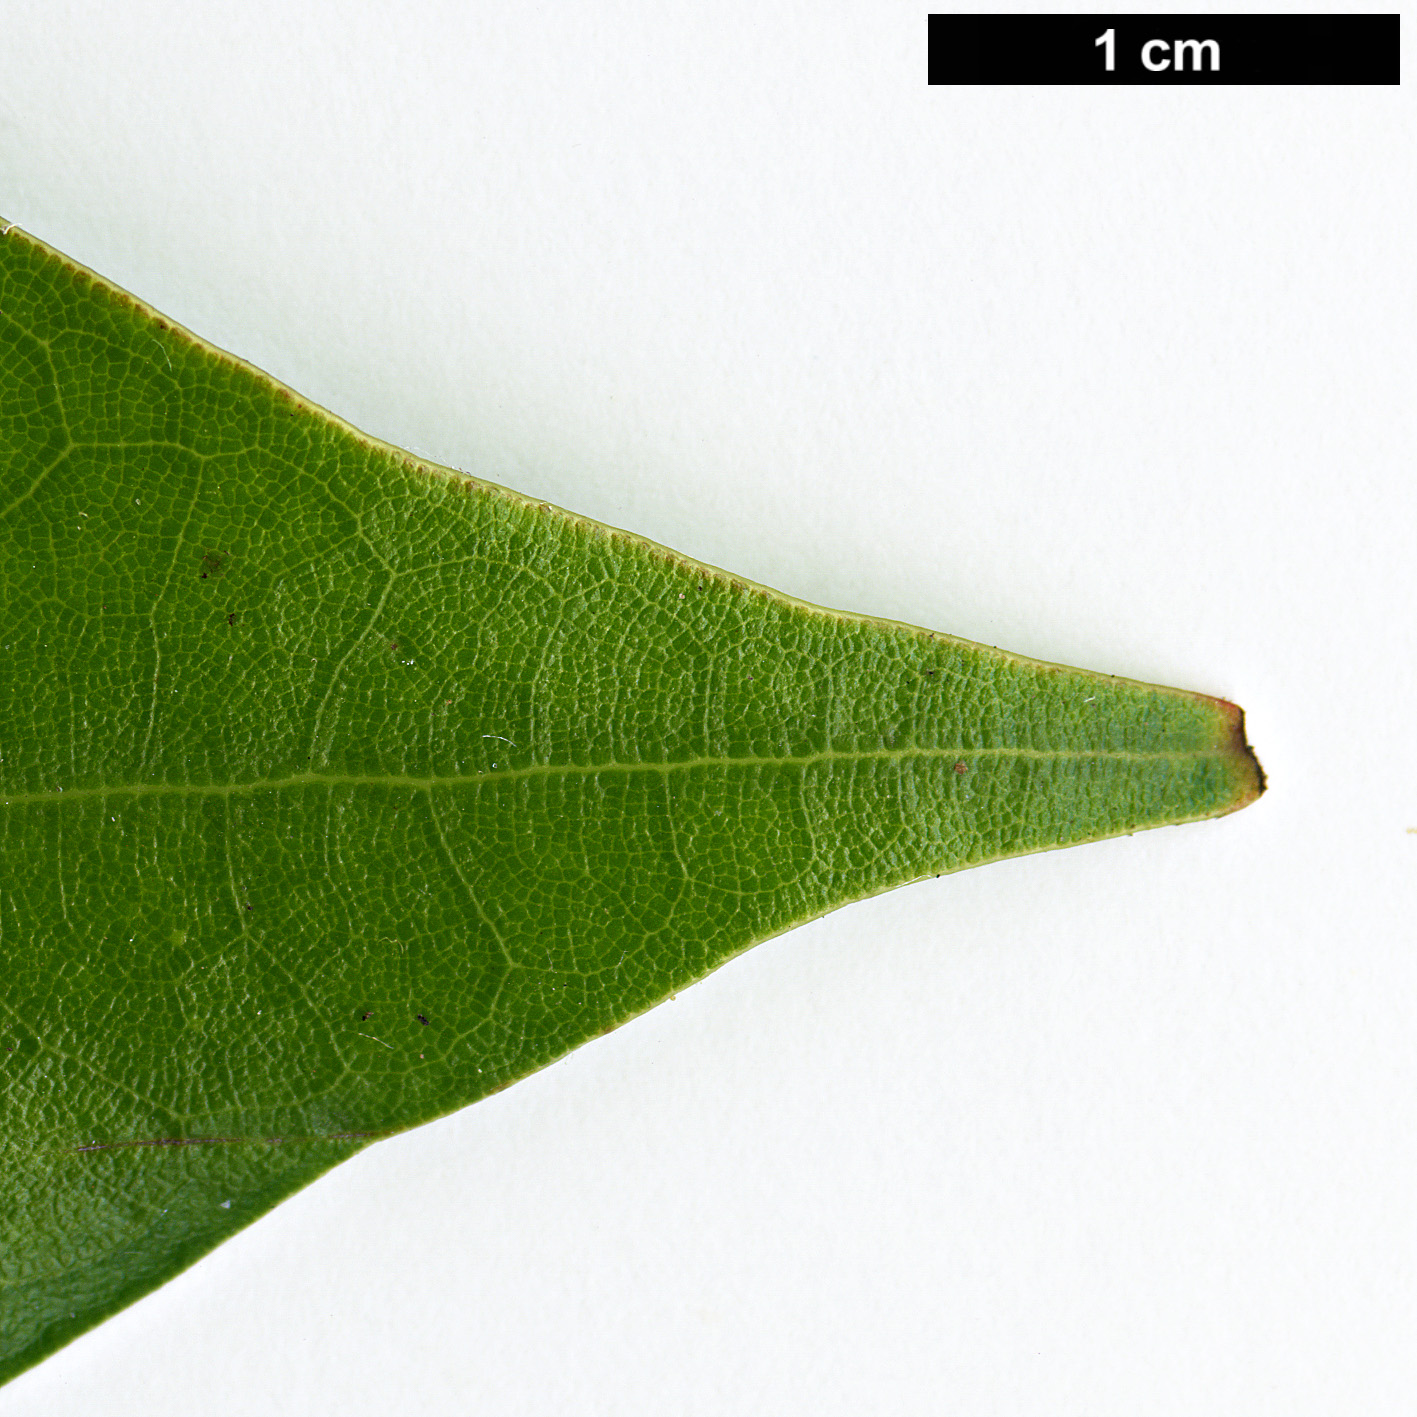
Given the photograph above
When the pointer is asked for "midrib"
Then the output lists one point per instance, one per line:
(569, 770)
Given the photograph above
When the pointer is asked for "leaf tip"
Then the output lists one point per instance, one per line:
(1250, 779)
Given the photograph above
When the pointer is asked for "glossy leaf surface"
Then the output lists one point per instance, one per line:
(338, 790)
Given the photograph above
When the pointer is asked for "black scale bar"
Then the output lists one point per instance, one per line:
(1164, 49)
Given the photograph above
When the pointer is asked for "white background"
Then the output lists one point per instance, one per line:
(1116, 378)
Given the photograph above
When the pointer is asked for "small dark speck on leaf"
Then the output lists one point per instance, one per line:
(231, 618)
(367, 1014)
(249, 906)
(420, 1018)
(212, 563)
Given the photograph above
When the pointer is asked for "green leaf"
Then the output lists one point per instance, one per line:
(339, 790)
